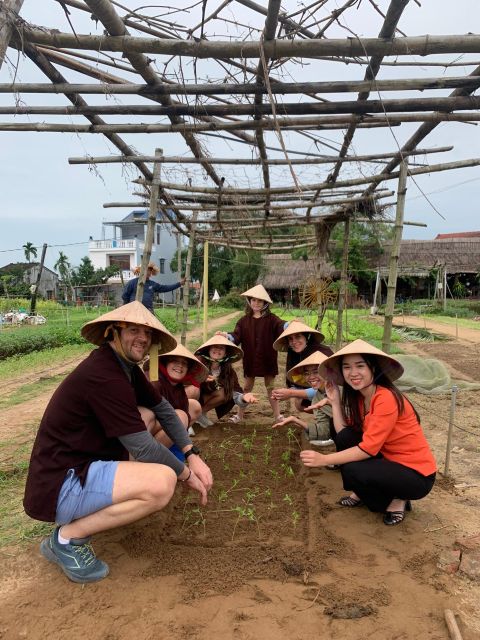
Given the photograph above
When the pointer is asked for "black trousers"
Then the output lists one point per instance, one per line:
(378, 481)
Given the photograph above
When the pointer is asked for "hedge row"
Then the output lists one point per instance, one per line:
(16, 343)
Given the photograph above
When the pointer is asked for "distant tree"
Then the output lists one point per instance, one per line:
(29, 250)
(87, 274)
(226, 268)
(62, 265)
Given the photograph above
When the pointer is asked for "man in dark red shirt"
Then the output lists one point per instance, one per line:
(80, 474)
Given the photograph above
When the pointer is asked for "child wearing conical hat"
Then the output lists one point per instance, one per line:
(221, 390)
(384, 457)
(318, 431)
(255, 332)
(176, 370)
(299, 341)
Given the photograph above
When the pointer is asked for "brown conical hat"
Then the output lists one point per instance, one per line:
(151, 265)
(331, 370)
(296, 375)
(195, 368)
(233, 352)
(134, 313)
(258, 291)
(296, 326)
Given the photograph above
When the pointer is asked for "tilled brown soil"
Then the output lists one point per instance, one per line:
(273, 555)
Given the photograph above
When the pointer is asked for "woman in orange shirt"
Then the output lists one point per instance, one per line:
(384, 457)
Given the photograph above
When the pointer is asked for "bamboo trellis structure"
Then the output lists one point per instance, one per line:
(210, 95)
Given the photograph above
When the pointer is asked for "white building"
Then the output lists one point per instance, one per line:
(124, 244)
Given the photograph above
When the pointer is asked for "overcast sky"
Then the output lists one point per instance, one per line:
(44, 199)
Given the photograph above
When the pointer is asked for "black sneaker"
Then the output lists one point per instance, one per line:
(76, 559)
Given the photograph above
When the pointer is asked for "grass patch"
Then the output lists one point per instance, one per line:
(15, 525)
(36, 361)
(29, 391)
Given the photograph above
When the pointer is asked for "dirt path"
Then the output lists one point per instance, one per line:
(464, 334)
(294, 565)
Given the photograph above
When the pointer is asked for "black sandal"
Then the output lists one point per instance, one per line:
(349, 501)
(391, 518)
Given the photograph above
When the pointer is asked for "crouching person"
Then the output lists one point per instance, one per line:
(80, 475)
(177, 370)
(305, 375)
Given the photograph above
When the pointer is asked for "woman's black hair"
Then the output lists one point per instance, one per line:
(350, 403)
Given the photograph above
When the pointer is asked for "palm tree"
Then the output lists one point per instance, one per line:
(29, 250)
(62, 265)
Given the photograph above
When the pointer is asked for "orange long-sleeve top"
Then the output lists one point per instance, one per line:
(398, 438)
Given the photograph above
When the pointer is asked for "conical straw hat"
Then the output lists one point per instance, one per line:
(195, 368)
(151, 265)
(233, 352)
(134, 313)
(331, 368)
(296, 326)
(259, 292)
(296, 375)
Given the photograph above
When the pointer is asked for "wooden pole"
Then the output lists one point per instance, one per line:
(152, 221)
(250, 161)
(377, 178)
(9, 10)
(375, 295)
(293, 123)
(33, 301)
(205, 290)
(444, 287)
(452, 626)
(343, 284)
(392, 275)
(337, 107)
(275, 49)
(453, 403)
(186, 286)
(215, 89)
(179, 270)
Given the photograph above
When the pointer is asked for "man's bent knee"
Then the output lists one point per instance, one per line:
(162, 490)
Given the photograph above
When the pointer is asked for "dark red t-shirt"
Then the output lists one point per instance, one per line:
(174, 393)
(256, 337)
(93, 406)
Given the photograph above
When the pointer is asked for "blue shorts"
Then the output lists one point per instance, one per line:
(75, 501)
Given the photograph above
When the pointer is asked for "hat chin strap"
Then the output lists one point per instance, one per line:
(264, 308)
(117, 345)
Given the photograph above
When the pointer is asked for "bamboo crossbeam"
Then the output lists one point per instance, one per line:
(394, 12)
(413, 84)
(104, 11)
(319, 123)
(358, 107)
(259, 207)
(274, 49)
(381, 177)
(247, 161)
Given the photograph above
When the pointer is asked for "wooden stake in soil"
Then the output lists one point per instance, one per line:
(450, 430)
(453, 629)
(186, 286)
(152, 221)
(205, 290)
(392, 275)
(343, 284)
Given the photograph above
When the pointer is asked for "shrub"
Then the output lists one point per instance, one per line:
(233, 300)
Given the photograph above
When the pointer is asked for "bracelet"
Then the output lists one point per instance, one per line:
(188, 477)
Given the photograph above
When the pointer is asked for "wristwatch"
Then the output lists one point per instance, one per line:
(194, 450)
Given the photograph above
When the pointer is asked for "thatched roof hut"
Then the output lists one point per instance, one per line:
(282, 272)
(419, 257)
(458, 253)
